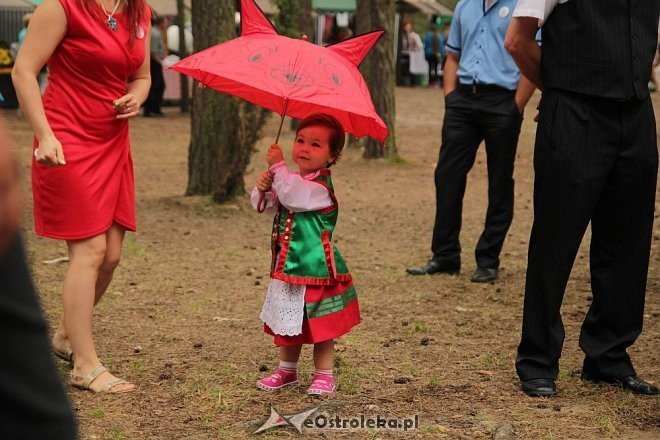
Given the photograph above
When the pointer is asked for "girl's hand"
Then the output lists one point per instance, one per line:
(127, 106)
(264, 181)
(50, 152)
(274, 155)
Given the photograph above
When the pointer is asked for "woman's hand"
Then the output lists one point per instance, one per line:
(264, 181)
(127, 106)
(50, 152)
(274, 155)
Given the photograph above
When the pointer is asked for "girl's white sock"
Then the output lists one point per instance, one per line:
(325, 372)
(289, 367)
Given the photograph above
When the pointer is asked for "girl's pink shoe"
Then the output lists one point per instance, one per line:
(277, 380)
(321, 384)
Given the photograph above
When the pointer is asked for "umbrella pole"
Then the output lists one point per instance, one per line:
(279, 130)
(261, 205)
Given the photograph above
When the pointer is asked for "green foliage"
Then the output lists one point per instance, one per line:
(287, 20)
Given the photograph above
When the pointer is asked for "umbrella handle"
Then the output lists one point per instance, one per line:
(261, 205)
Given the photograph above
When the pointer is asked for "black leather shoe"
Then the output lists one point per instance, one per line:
(433, 267)
(539, 387)
(631, 383)
(484, 275)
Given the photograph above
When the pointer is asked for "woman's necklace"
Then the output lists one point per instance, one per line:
(110, 21)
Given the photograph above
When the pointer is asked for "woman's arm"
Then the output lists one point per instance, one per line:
(47, 28)
(128, 106)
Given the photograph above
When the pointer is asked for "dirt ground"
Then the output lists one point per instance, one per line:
(181, 317)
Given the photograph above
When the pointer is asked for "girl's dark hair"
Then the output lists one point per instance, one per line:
(337, 134)
(135, 11)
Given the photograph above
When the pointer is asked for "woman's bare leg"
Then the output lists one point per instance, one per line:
(114, 240)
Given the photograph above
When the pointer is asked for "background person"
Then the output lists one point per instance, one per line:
(484, 99)
(153, 104)
(434, 50)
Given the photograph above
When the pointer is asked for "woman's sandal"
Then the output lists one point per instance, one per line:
(92, 376)
(66, 355)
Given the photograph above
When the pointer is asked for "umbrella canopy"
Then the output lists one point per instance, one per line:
(291, 76)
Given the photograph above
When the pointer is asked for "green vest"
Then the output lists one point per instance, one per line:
(303, 252)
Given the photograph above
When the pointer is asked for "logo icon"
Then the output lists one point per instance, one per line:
(277, 419)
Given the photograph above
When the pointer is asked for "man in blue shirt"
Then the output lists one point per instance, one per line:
(434, 51)
(484, 99)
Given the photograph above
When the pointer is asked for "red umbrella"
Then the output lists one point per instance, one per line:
(290, 76)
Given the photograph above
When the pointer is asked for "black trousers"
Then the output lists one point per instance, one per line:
(433, 67)
(154, 100)
(33, 402)
(595, 161)
(490, 114)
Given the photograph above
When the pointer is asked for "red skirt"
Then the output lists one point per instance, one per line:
(330, 312)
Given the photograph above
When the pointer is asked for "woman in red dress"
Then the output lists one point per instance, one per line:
(82, 174)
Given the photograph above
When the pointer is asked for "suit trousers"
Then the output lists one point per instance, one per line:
(471, 117)
(595, 160)
(154, 100)
(34, 405)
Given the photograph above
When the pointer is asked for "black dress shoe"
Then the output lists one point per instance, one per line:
(433, 267)
(631, 383)
(484, 275)
(539, 387)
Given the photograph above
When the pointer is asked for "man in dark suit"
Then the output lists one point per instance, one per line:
(596, 160)
(34, 405)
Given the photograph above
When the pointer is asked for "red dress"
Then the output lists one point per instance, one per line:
(88, 70)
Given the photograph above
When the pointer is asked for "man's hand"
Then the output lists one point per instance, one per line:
(264, 181)
(274, 155)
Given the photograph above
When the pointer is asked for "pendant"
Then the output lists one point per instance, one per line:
(112, 23)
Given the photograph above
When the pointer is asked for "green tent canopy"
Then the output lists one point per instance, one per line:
(334, 5)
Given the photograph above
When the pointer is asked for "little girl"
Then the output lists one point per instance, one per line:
(311, 298)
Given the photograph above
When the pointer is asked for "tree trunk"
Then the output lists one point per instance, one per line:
(181, 21)
(224, 129)
(305, 20)
(379, 70)
(286, 20)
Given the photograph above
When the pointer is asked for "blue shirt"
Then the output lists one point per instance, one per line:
(428, 44)
(477, 35)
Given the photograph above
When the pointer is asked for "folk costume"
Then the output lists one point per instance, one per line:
(311, 297)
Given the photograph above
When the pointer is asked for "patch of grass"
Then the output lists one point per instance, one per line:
(349, 339)
(138, 366)
(131, 248)
(97, 413)
(605, 423)
(349, 376)
(397, 160)
(117, 433)
(490, 361)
